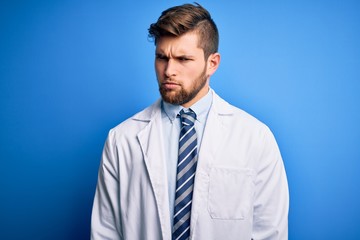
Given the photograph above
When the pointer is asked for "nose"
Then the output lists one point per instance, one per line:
(170, 69)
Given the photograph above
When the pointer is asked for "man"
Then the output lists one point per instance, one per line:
(190, 166)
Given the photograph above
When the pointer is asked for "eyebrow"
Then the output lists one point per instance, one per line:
(159, 54)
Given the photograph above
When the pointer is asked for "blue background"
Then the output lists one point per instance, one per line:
(71, 70)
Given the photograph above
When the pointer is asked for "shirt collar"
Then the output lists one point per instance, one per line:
(201, 108)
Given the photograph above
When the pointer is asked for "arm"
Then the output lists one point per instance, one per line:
(271, 197)
(105, 219)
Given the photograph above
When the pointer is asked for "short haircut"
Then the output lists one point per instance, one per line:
(179, 20)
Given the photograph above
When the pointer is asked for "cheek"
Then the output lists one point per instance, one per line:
(194, 72)
(158, 69)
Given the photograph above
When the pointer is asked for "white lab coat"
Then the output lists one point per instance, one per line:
(240, 187)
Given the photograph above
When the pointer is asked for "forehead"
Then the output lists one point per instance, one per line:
(184, 44)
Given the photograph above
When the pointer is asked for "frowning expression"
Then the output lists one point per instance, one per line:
(181, 69)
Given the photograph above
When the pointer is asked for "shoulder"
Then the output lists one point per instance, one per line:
(241, 124)
(244, 128)
(234, 114)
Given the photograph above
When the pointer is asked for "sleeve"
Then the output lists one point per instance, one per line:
(271, 205)
(105, 218)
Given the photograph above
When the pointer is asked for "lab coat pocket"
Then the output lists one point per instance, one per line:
(230, 193)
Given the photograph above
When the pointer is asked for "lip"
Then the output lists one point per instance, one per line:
(170, 85)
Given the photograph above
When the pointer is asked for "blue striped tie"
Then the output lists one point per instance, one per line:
(186, 168)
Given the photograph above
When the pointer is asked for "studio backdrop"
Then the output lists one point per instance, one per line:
(72, 70)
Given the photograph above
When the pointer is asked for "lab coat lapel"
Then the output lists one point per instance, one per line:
(215, 131)
(151, 141)
(214, 135)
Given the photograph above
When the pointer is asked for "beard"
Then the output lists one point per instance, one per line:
(183, 96)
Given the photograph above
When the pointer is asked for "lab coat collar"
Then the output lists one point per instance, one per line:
(220, 106)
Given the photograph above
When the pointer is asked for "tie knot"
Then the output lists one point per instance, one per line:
(187, 118)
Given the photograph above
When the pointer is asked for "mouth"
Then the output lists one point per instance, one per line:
(168, 85)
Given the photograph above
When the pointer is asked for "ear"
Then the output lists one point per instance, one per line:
(213, 63)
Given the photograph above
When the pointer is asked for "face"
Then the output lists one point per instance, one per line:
(182, 72)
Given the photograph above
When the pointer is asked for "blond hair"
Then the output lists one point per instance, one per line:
(182, 19)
